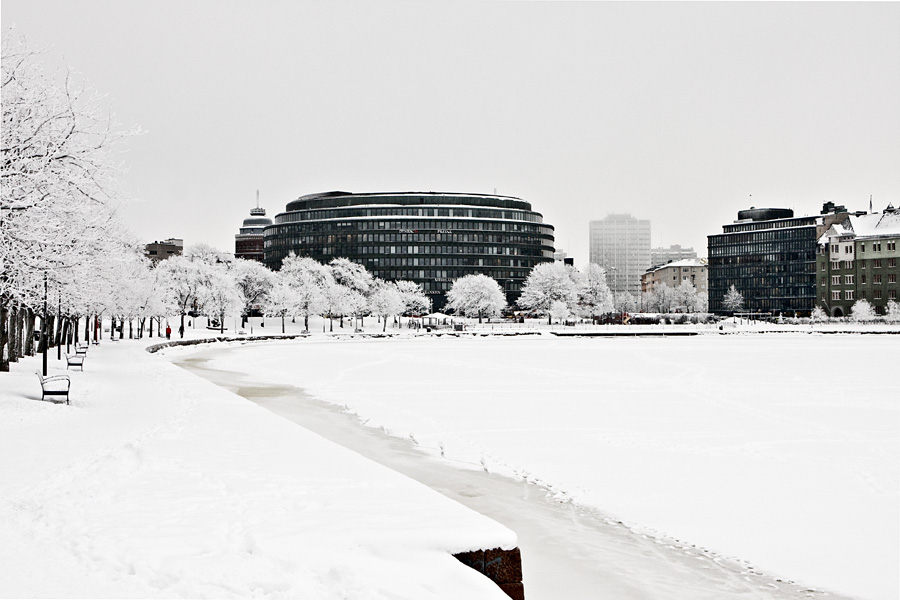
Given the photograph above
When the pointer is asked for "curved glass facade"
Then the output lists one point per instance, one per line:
(429, 238)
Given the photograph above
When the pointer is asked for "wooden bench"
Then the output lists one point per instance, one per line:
(82, 348)
(54, 385)
(75, 360)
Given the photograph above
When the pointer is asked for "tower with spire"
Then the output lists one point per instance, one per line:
(249, 241)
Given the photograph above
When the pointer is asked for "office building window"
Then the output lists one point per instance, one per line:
(877, 264)
(835, 280)
(848, 279)
(835, 295)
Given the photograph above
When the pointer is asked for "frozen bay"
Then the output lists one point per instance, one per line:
(781, 450)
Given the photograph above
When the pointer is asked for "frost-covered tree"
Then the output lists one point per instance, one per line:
(310, 279)
(415, 301)
(548, 283)
(862, 311)
(351, 275)
(560, 311)
(385, 300)
(689, 299)
(476, 296)
(594, 295)
(818, 315)
(624, 302)
(254, 280)
(220, 295)
(733, 300)
(281, 298)
(892, 312)
(57, 198)
(187, 281)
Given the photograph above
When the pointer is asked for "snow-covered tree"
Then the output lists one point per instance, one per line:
(281, 298)
(862, 311)
(351, 275)
(254, 280)
(415, 301)
(818, 315)
(624, 302)
(187, 281)
(220, 295)
(547, 283)
(733, 300)
(476, 296)
(892, 312)
(594, 295)
(560, 311)
(57, 199)
(689, 299)
(386, 301)
(310, 279)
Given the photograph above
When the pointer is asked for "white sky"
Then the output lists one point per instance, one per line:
(676, 112)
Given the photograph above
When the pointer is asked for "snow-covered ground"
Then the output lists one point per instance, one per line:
(782, 450)
(156, 483)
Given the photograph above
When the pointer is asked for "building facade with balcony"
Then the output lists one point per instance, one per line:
(858, 259)
(427, 237)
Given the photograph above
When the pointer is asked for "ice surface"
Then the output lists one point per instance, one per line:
(755, 447)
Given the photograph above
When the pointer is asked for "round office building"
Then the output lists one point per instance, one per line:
(427, 237)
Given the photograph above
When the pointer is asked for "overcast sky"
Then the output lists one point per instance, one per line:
(673, 112)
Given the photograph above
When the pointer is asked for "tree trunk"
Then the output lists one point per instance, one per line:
(29, 332)
(384, 328)
(222, 322)
(4, 336)
(12, 333)
(282, 323)
(181, 329)
(130, 329)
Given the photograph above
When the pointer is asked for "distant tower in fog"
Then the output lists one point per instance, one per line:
(249, 242)
(621, 244)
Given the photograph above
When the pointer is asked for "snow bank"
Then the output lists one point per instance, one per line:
(155, 483)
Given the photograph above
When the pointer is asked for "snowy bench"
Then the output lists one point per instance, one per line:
(55, 385)
(82, 348)
(75, 360)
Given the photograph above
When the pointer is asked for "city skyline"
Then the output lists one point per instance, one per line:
(682, 114)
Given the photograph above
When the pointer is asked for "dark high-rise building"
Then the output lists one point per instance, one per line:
(770, 257)
(426, 237)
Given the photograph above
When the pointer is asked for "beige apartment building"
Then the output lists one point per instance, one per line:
(674, 273)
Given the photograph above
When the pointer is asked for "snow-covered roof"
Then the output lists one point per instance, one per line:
(881, 224)
(684, 262)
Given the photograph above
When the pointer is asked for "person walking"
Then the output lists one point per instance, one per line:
(168, 332)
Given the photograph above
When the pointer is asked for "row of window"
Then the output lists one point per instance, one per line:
(787, 223)
(876, 247)
(347, 250)
(392, 211)
(849, 279)
(409, 227)
(876, 263)
(851, 295)
(393, 238)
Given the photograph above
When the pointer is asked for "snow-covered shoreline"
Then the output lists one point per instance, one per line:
(155, 483)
